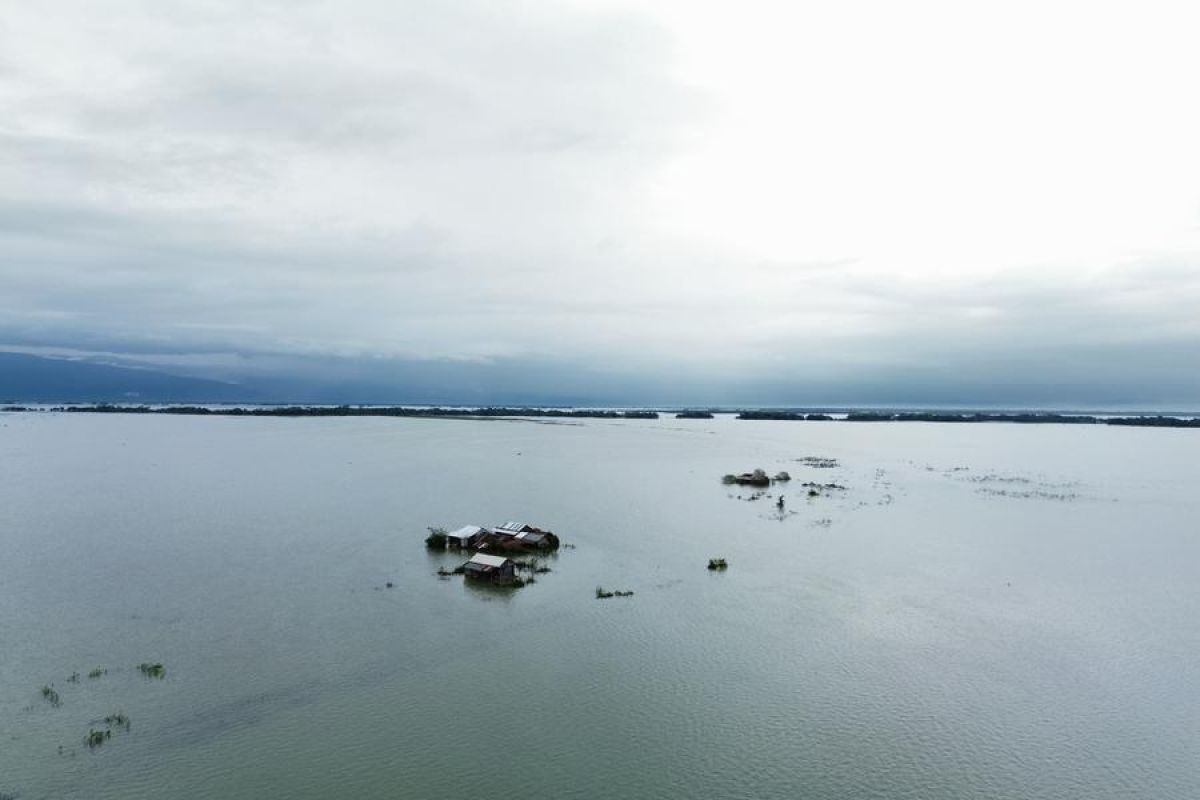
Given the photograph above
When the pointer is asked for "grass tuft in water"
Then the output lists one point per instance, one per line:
(51, 696)
(96, 738)
(152, 670)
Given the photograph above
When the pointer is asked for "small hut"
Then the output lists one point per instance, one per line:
(496, 569)
(521, 536)
(466, 536)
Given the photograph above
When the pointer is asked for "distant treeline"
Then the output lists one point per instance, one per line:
(348, 411)
(1028, 418)
(503, 411)
(794, 415)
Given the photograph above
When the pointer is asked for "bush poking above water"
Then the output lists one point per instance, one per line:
(51, 696)
(717, 564)
(155, 670)
(118, 720)
(436, 540)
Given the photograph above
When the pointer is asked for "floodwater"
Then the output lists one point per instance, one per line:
(984, 611)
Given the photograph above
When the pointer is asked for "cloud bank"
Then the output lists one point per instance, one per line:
(762, 203)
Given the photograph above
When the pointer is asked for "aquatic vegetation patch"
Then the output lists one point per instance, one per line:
(756, 477)
(96, 738)
(604, 594)
(152, 670)
(717, 564)
(118, 720)
(51, 696)
(97, 672)
(436, 540)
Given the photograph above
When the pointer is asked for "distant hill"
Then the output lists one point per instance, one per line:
(34, 379)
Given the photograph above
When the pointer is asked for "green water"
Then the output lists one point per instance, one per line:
(986, 611)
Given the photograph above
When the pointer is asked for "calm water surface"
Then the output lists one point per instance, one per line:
(986, 611)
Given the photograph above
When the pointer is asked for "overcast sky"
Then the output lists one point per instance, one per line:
(833, 194)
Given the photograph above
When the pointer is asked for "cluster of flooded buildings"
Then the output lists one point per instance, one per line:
(489, 563)
(511, 536)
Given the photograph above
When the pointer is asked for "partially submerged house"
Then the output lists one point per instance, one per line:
(470, 536)
(521, 536)
(496, 569)
(511, 536)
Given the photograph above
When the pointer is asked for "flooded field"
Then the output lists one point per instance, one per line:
(239, 608)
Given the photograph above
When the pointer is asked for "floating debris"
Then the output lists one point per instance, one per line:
(1038, 494)
(717, 564)
(818, 462)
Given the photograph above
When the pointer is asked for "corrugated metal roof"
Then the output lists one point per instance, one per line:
(487, 561)
(465, 532)
(513, 526)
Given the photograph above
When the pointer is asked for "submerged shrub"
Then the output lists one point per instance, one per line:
(155, 670)
(436, 540)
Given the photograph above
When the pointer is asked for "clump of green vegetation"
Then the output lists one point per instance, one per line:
(51, 696)
(436, 540)
(603, 594)
(717, 564)
(155, 670)
(756, 478)
(118, 720)
(782, 476)
(74, 678)
(96, 738)
(97, 672)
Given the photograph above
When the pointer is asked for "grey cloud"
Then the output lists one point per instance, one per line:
(276, 186)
